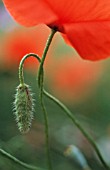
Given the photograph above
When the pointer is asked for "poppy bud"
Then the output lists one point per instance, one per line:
(23, 107)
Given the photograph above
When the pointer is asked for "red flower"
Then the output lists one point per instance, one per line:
(19, 42)
(86, 23)
(73, 78)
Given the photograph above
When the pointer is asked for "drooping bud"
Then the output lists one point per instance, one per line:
(23, 107)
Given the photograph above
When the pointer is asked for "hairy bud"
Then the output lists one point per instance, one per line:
(23, 107)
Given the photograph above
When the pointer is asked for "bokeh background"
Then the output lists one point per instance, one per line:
(84, 86)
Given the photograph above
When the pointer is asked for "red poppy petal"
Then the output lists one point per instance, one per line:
(80, 10)
(30, 12)
(90, 39)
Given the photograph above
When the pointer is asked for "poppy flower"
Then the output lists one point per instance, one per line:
(19, 42)
(86, 24)
(73, 79)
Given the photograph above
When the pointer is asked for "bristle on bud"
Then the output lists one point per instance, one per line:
(23, 107)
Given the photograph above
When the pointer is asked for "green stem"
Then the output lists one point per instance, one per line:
(44, 54)
(41, 85)
(21, 77)
(17, 161)
(77, 123)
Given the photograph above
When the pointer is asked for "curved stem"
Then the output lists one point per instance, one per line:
(21, 77)
(77, 123)
(41, 85)
(17, 161)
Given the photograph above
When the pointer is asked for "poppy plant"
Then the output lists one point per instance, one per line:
(86, 24)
